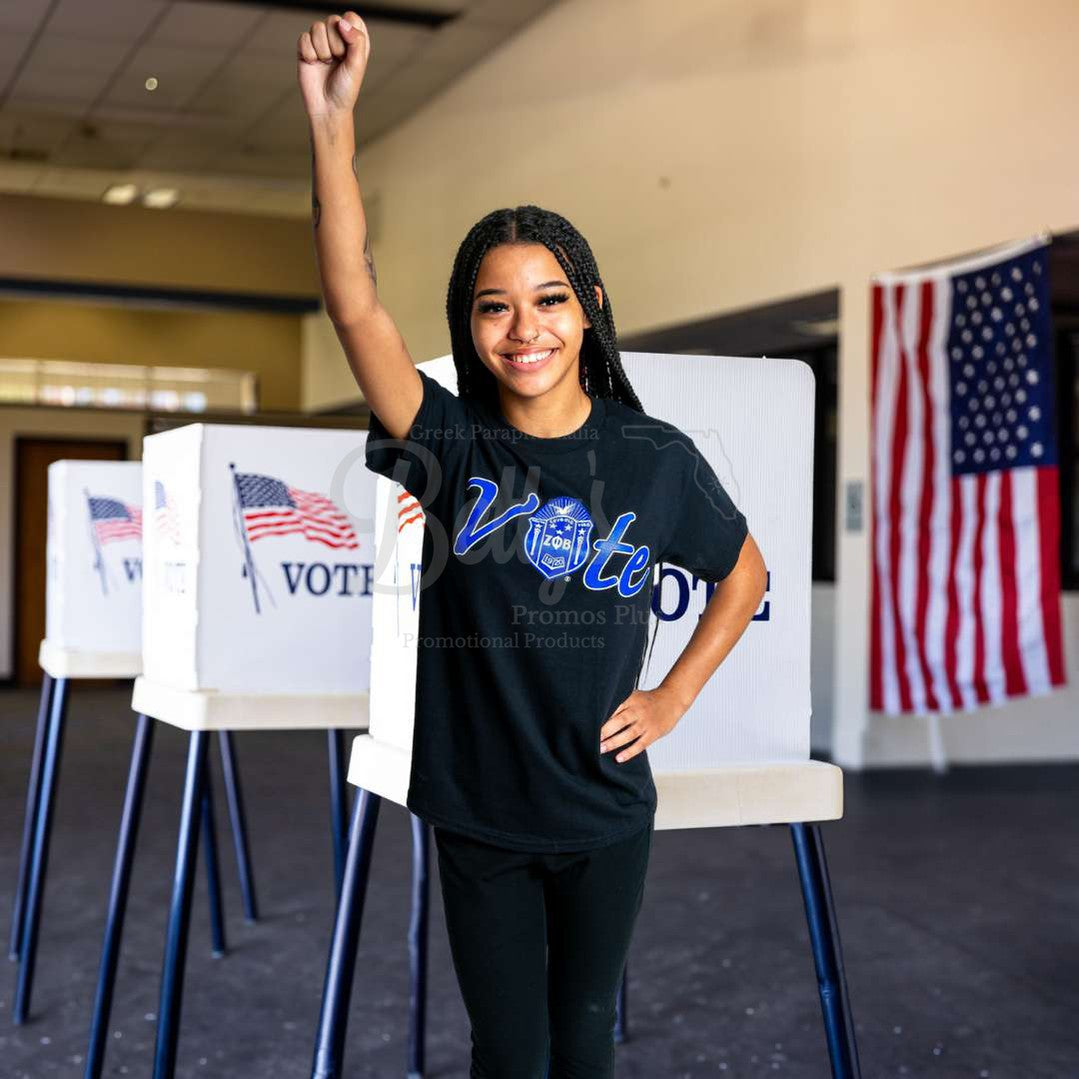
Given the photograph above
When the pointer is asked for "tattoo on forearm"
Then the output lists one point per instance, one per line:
(316, 216)
(316, 207)
(369, 258)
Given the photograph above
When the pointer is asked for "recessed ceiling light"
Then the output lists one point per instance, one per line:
(120, 194)
(161, 197)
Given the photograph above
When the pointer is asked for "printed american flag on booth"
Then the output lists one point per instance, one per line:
(965, 497)
(165, 519)
(272, 508)
(114, 520)
(408, 510)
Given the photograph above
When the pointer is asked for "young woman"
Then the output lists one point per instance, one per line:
(549, 497)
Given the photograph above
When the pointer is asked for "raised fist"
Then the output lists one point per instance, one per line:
(331, 61)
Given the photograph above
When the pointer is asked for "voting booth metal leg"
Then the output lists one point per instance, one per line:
(50, 765)
(827, 954)
(29, 824)
(213, 873)
(337, 989)
(121, 879)
(338, 805)
(620, 1010)
(417, 948)
(234, 795)
(172, 975)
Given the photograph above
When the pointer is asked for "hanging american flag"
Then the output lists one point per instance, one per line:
(114, 520)
(165, 520)
(272, 508)
(966, 513)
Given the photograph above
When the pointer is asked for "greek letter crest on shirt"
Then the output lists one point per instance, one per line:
(558, 534)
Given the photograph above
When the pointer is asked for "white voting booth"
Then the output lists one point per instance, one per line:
(93, 605)
(741, 755)
(258, 554)
(93, 591)
(257, 591)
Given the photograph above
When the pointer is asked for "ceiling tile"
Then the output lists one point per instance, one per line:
(68, 68)
(113, 20)
(212, 25)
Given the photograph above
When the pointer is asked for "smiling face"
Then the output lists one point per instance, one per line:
(527, 323)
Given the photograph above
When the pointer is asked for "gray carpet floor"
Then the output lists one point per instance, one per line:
(957, 898)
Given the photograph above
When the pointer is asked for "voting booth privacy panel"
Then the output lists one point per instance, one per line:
(752, 419)
(93, 590)
(258, 555)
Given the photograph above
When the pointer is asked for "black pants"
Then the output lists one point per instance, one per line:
(539, 943)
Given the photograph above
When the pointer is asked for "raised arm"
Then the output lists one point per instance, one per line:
(331, 60)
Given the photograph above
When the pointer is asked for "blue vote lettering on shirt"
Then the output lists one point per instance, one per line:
(557, 539)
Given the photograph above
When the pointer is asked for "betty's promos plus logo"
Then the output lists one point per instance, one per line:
(264, 506)
(113, 521)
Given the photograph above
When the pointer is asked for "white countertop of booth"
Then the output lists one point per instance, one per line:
(782, 792)
(207, 710)
(60, 662)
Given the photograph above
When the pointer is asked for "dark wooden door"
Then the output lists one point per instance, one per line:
(32, 459)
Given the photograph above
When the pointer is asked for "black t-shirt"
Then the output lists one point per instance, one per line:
(538, 571)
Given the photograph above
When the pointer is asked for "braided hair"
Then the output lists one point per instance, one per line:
(601, 372)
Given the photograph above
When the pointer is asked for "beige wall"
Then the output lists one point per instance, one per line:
(718, 155)
(266, 343)
(77, 240)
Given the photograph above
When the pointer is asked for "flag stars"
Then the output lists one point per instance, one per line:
(1036, 449)
(1034, 413)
